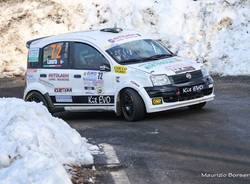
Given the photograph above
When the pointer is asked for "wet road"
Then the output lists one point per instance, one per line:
(207, 146)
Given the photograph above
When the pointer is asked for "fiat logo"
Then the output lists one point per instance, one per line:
(188, 76)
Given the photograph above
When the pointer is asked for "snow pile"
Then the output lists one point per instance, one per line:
(216, 32)
(34, 145)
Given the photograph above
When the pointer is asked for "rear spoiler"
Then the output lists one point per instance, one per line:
(28, 43)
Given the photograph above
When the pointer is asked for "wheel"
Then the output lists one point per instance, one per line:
(197, 106)
(36, 97)
(132, 105)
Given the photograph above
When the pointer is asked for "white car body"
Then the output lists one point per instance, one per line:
(99, 90)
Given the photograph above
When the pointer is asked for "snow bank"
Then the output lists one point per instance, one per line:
(34, 145)
(216, 32)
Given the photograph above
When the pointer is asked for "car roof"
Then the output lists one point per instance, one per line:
(100, 38)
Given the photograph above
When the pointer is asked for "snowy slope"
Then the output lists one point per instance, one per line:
(216, 32)
(34, 145)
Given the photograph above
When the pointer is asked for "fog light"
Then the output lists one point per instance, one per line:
(157, 101)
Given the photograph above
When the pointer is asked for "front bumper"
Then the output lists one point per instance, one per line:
(173, 96)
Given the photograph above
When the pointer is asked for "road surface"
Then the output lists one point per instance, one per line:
(208, 146)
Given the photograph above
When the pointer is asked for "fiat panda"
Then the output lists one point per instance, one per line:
(113, 70)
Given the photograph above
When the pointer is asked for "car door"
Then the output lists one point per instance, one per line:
(92, 76)
(55, 71)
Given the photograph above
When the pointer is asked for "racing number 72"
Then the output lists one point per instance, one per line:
(58, 48)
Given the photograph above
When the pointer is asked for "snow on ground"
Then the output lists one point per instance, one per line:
(34, 145)
(216, 32)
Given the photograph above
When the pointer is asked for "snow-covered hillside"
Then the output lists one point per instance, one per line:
(34, 145)
(216, 32)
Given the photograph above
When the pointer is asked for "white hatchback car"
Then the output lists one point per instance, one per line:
(114, 70)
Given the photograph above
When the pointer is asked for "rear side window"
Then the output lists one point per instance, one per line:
(56, 55)
(33, 58)
(87, 57)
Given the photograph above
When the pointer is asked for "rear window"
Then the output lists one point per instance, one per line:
(56, 55)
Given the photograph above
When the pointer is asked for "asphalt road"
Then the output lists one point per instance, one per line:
(178, 146)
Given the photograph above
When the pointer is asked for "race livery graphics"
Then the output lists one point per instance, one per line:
(120, 69)
(59, 76)
(93, 78)
(85, 100)
(113, 70)
(63, 90)
(63, 99)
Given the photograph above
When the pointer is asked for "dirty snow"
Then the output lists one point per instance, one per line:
(34, 145)
(216, 32)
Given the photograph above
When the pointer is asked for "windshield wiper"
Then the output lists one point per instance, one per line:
(132, 60)
(154, 57)
(158, 56)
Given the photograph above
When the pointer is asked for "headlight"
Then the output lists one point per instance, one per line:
(160, 80)
(204, 71)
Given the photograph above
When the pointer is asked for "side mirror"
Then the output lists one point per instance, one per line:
(105, 68)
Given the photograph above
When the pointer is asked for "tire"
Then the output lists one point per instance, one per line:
(132, 105)
(37, 97)
(197, 106)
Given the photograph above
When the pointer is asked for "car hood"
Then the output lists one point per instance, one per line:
(170, 66)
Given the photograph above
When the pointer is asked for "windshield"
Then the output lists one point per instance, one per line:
(138, 51)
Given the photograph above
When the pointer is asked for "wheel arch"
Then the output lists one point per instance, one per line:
(29, 93)
(118, 95)
(46, 96)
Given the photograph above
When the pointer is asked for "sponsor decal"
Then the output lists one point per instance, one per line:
(33, 55)
(89, 76)
(99, 90)
(88, 99)
(120, 69)
(59, 76)
(188, 76)
(51, 61)
(45, 83)
(93, 78)
(134, 83)
(63, 90)
(123, 37)
(197, 88)
(100, 99)
(94, 83)
(89, 88)
(178, 59)
(54, 66)
(64, 99)
(179, 68)
(30, 77)
(151, 65)
(157, 101)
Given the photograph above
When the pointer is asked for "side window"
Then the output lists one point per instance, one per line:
(56, 55)
(87, 57)
(33, 58)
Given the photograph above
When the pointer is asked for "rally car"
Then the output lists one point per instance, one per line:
(112, 70)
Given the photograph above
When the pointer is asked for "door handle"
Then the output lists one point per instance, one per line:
(43, 75)
(77, 76)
